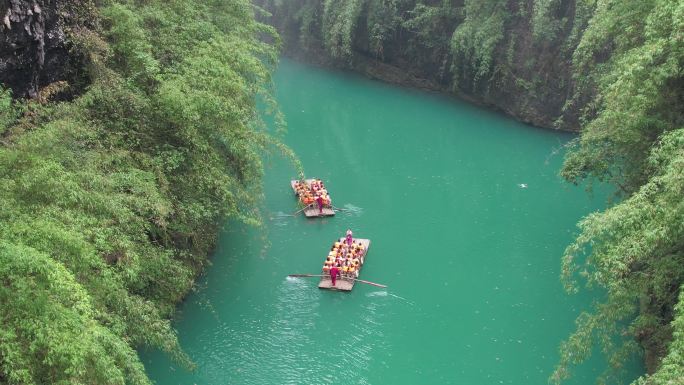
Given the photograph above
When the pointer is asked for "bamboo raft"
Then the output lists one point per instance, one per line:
(312, 210)
(345, 283)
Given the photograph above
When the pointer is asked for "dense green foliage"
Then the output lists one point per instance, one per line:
(476, 38)
(635, 251)
(639, 88)
(634, 138)
(613, 68)
(339, 23)
(109, 204)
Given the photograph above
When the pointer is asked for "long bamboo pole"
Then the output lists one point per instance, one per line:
(305, 207)
(322, 275)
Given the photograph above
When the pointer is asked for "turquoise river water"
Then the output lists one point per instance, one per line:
(472, 259)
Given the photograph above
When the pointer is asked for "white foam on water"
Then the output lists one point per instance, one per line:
(402, 298)
(350, 209)
(385, 293)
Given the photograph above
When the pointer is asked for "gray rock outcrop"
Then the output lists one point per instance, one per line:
(33, 46)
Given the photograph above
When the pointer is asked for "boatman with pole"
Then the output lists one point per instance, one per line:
(319, 200)
(334, 271)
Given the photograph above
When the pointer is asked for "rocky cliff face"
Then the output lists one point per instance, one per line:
(506, 54)
(34, 49)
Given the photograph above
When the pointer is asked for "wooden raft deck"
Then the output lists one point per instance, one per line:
(312, 212)
(342, 283)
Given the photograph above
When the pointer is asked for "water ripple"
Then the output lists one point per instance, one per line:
(351, 210)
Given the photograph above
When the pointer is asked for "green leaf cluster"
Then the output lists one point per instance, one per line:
(635, 252)
(432, 25)
(339, 25)
(475, 40)
(638, 89)
(545, 25)
(9, 111)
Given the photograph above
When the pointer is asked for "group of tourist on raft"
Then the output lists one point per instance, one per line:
(344, 259)
(313, 193)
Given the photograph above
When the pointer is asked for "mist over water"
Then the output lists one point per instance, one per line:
(467, 219)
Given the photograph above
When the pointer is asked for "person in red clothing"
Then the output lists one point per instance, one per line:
(319, 200)
(349, 238)
(334, 272)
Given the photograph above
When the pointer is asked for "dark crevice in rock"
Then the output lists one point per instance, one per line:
(34, 48)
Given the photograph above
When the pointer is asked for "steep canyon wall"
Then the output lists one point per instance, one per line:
(511, 55)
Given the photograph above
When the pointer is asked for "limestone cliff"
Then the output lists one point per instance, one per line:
(34, 47)
(507, 54)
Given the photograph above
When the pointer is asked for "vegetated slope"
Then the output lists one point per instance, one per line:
(632, 137)
(615, 69)
(110, 203)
